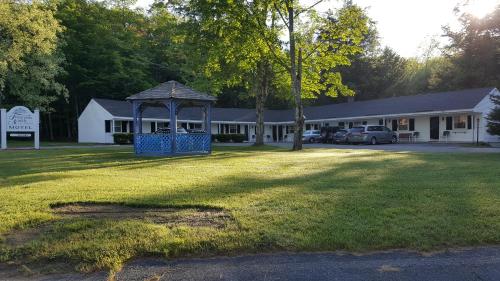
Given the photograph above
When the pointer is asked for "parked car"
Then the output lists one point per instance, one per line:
(371, 134)
(311, 136)
(180, 130)
(340, 136)
(327, 134)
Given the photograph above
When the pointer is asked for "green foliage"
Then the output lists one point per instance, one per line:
(123, 138)
(494, 117)
(230, 137)
(473, 50)
(30, 60)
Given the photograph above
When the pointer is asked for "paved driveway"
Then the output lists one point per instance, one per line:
(470, 265)
(401, 147)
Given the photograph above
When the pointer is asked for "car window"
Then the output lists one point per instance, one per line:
(358, 129)
(316, 132)
(387, 129)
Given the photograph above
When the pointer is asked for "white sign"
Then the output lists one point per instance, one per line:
(21, 119)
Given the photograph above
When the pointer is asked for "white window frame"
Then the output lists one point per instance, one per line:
(115, 126)
(403, 124)
(233, 129)
(464, 122)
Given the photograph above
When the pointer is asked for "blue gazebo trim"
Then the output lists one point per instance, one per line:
(153, 144)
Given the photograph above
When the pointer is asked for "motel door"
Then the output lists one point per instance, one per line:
(434, 125)
(277, 133)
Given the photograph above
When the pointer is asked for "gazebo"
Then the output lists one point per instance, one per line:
(169, 142)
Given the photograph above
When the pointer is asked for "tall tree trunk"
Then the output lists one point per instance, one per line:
(295, 73)
(261, 93)
(69, 127)
(50, 125)
(299, 108)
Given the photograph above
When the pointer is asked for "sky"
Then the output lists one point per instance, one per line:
(407, 26)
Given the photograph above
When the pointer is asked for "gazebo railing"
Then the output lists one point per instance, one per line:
(161, 144)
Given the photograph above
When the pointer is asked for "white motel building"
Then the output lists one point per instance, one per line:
(457, 116)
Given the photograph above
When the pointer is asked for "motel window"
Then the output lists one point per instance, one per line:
(308, 126)
(327, 124)
(107, 126)
(342, 125)
(290, 129)
(412, 124)
(124, 126)
(233, 129)
(351, 125)
(403, 124)
(118, 126)
(356, 124)
(381, 122)
(153, 127)
(365, 122)
(449, 123)
(196, 126)
(163, 125)
(469, 122)
(460, 122)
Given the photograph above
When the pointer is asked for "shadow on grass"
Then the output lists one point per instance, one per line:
(357, 201)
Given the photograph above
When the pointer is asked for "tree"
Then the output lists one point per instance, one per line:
(228, 46)
(473, 49)
(494, 117)
(30, 60)
(316, 45)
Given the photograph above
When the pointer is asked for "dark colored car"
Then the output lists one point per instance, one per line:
(371, 134)
(340, 136)
(327, 134)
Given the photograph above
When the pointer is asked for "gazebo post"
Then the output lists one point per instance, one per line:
(173, 124)
(208, 122)
(137, 122)
(174, 96)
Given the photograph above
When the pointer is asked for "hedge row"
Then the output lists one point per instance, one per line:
(229, 137)
(123, 138)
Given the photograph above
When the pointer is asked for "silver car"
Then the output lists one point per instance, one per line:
(371, 134)
(311, 136)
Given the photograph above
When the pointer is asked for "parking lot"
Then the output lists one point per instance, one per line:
(402, 147)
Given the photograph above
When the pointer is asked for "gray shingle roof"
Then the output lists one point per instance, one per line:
(444, 101)
(171, 89)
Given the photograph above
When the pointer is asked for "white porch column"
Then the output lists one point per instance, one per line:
(3, 128)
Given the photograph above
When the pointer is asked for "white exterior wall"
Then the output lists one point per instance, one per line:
(91, 128)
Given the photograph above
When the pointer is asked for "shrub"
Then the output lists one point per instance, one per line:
(238, 138)
(123, 138)
(230, 137)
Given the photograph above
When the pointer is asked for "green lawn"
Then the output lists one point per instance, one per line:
(315, 200)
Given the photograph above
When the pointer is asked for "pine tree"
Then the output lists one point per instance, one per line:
(494, 117)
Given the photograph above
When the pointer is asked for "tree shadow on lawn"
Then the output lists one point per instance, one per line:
(360, 202)
(30, 167)
(412, 201)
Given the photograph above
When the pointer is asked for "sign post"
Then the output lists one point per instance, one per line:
(20, 119)
(3, 128)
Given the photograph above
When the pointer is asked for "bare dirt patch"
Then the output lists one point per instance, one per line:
(197, 217)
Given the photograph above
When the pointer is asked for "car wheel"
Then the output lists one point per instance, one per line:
(394, 139)
(373, 141)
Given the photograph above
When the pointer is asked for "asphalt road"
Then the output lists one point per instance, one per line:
(467, 265)
(458, 265)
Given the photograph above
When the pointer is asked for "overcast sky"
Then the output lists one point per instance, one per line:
(407, 26)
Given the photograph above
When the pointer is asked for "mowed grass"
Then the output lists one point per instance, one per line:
(314, 200)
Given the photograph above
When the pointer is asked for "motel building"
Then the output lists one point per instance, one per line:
(457, 116)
